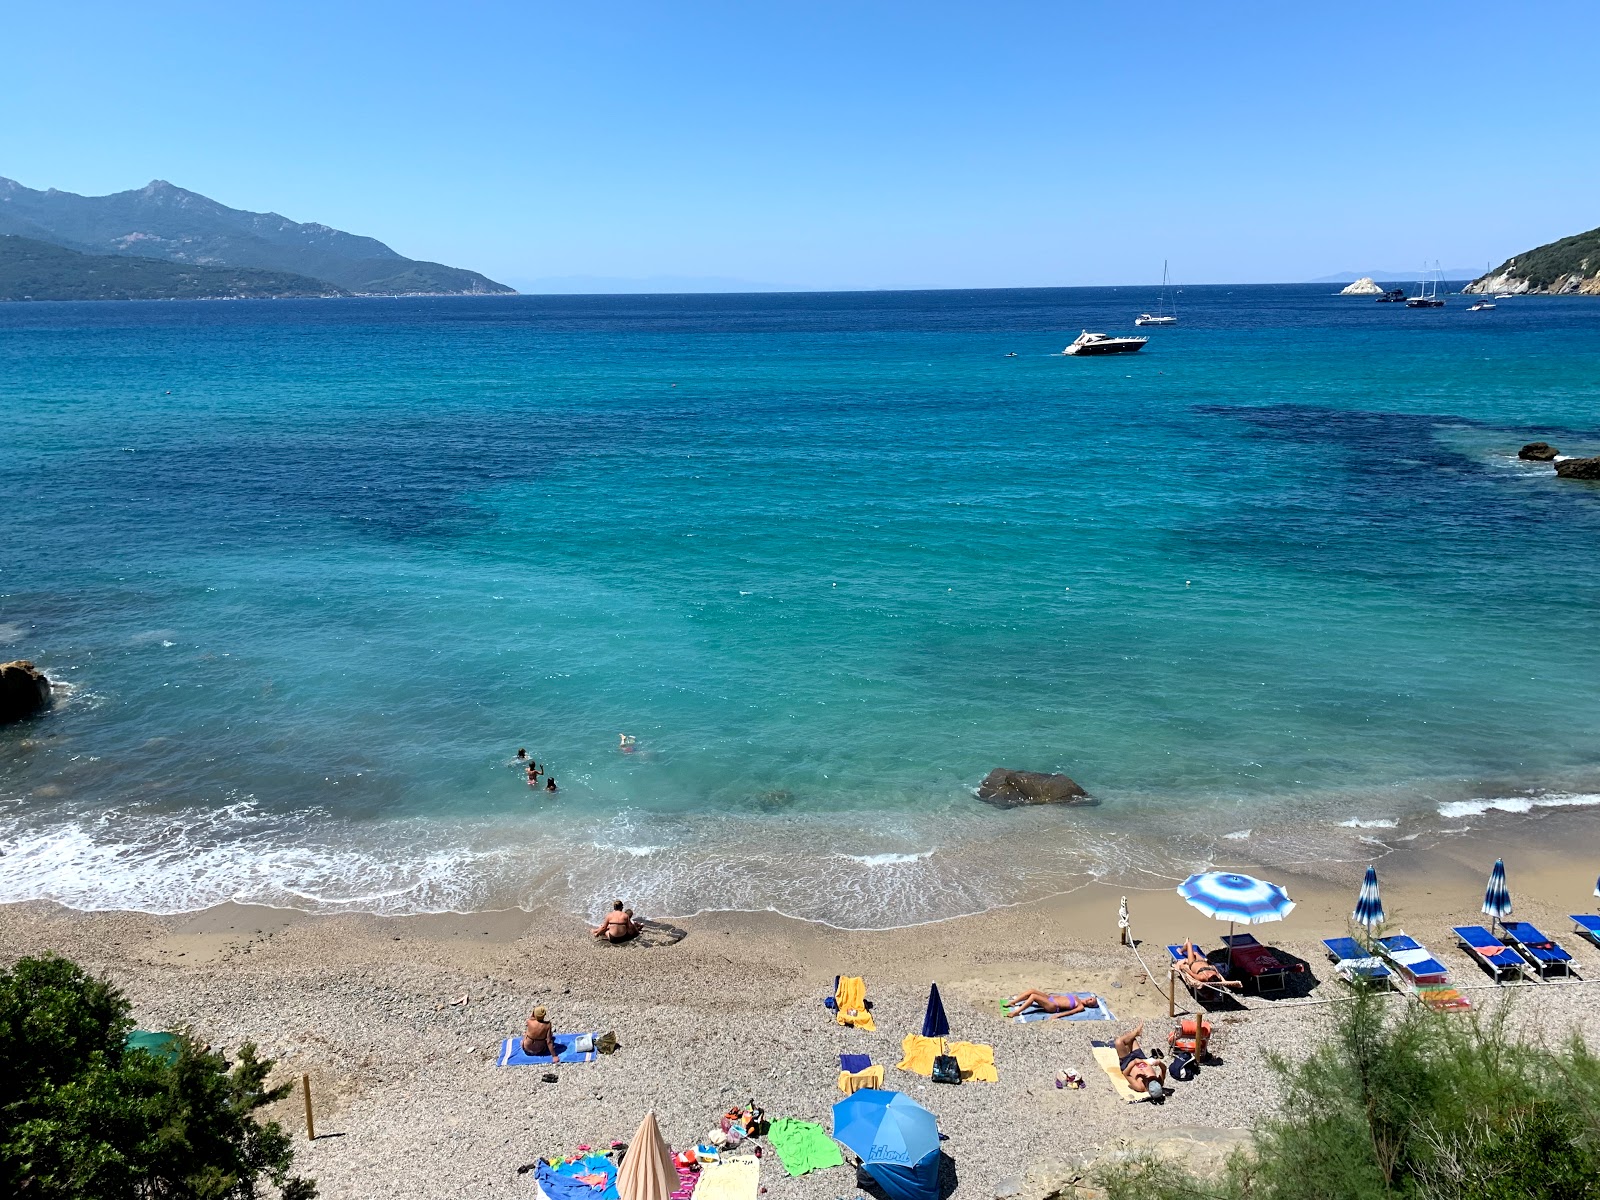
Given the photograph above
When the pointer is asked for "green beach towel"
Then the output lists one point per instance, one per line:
(803, 1146)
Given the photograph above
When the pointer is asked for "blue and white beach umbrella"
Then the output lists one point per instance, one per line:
(1497, 897)
(1243, 899)
(1369, 905)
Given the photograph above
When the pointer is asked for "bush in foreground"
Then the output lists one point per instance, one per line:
(84, 1117)
(1413, 1104)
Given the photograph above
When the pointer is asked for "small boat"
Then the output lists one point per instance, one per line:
(1483, 304)
(1011, 354)
(1104, 343)
(1165, 314)
(1427, 292)
(1392, 296)
(1504, 296)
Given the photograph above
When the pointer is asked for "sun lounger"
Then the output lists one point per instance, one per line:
(1257, 963)
(1105, 1054)
(1539, 950)
(1425, 976)
(1351, 961)
(1587, 925)
(1492, 955)
(1202, 992)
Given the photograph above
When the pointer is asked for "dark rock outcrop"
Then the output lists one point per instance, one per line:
(1538, 452)
(1579, 468)
(1005, 788)
(23, 690)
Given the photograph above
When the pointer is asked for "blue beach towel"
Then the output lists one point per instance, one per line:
(854, 1062)
(561, 1183)
(511, 1054)
(1035, 1013)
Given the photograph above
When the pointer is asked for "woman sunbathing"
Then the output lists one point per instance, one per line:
(1057, 1004)
(536, 1037)
(1198, 970)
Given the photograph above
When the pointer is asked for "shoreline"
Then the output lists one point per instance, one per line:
(361, 1004)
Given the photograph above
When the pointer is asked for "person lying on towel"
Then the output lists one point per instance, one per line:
(1143, 1074)
(1197, 969)
(1057, 1004)
(537, 1037)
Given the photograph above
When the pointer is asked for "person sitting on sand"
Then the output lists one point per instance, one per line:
(635, 928)
(538, 1037)
(618, 925)
(1143, 1074)
(1057, 1004)
(1198, 969)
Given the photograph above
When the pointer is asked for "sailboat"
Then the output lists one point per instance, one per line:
(1483, 302)
(1165, 314)
(1427, 291)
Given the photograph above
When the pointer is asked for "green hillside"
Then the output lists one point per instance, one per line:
(1569, 265)
(34, 270)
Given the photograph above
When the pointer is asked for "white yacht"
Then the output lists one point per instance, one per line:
(1104, 343)
(1165, 313)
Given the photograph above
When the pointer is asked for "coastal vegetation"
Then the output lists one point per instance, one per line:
(34, 270)
(1414, 1104)
(84, 1116)
(1571, 264)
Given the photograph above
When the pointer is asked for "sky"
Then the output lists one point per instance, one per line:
(854, 144)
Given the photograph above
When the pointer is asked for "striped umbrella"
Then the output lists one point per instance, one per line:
(1497, 897)
(1597, 887)
(1236, 899)
(1369, 905)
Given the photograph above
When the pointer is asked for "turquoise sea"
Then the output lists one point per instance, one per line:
(1275, 590)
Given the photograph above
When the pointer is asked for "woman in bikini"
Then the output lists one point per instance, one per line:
(1197, 969)
(1057, 1004)
(536, 1037)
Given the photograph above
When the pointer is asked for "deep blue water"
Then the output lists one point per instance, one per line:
(313, 570)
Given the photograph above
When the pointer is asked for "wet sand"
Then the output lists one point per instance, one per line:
(409, 1102)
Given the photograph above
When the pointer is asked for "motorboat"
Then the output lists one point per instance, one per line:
(1104, 343)
(1165, 313)
(1392, 296)
(1483, 304)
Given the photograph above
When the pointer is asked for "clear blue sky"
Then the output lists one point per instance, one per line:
(838, 144)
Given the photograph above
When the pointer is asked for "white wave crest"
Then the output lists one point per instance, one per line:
(1374, 823)
(888, 860)
(1516, 804)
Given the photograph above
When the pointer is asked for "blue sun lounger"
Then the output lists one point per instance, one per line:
(1493, 955)
(1425, 977)
(1587, 925)
(1539, 950)
(1351, 961)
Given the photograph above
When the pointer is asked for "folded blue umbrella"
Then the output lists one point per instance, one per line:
(934, 1022)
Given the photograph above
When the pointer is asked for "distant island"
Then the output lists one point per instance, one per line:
(1362, 287)
(34, 270)
(169, 225)
(1570, 266)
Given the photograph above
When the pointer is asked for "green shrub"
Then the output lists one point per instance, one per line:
(1412, 1104)
(82, 1117)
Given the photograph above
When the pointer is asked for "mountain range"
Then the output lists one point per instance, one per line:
(160, 221)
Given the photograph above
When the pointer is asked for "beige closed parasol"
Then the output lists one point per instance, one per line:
(647, 1172)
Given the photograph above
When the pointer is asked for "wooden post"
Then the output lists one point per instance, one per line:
(311, 1129)
(1122, 922)
(1172, 996)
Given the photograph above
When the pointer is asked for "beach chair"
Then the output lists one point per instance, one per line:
(1351, 961)
(1539, 950)
(1587, 925)
(1256, 963)
(1493, 955)
(1425, 977)
(1204, 993)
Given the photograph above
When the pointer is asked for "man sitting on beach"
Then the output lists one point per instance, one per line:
(537, 1038)
(1056, 1004)
(1198, 970)
(1143, 1074)
(618, 925)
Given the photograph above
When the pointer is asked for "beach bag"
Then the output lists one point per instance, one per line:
(1184, 1067)
(606, 1043)
(946, 1069)
(583, 1044)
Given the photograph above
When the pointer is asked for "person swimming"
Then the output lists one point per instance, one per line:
(625, 742)
(533, 774)
(550, 784)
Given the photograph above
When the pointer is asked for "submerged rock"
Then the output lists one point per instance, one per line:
(1579, 468)
(1005, 788)
(23, 690)
(1538, 452)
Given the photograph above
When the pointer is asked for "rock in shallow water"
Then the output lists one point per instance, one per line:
(1537, 452)
(23, 690)
(1579, 468)
(1005, 788)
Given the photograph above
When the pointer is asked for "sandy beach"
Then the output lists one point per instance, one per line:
(410, 1103)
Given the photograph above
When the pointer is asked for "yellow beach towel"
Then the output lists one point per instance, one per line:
(851, 1082)
(730, 1179)
(850, 1003)
(975, 1059)
(1106, 1056)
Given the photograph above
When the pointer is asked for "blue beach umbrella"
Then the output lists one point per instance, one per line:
(1369, 905)
(934, 1022)
(896, 1139)
(1497, 897)
(1236, 899)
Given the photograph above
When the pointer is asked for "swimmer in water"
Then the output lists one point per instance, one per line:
(533, 775)
(625, 742)
(550, 784)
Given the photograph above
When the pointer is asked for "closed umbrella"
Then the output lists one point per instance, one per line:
(1369, 905)
(1497, 897)
(896, 1139)
(647, 1172)
(934, 1022)
(1236, 899)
